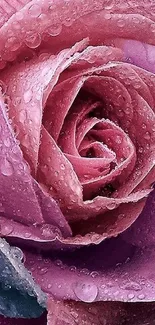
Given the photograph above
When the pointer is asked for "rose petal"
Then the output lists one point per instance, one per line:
(142, 232)
(28, 87)
(69, 313)
(18, 199)
(121, 272)
(57, 172)
(100, 313)
(58, 105)
(87, 17)
(139, 53)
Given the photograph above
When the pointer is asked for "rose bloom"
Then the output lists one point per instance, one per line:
(77, 162)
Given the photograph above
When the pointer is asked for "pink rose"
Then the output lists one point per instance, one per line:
(77, 150)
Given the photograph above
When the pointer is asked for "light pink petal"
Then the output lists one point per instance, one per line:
(59, 103)
(57, 173)
(28, 86)
(67, 24)
(133, 119)
(17, 196)
(93, 56)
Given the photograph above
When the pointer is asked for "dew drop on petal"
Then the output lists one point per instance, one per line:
(27, 96)
(17, 253)
(7, 142)
(7, 230)
(131, 286)
(54, 30)
(44, 270)
(12, 43)
(85, 291)
(131, 296)
(6, 167)
(111, 206)
(147, 136)
(141, 296)
(121, 23)
(33, 40)
(68, 21)
(94, 274)
(27, 234)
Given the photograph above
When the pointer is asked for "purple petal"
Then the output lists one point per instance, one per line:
(113, 270)
(142, 232)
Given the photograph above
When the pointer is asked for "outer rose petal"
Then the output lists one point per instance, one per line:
(121, 272)
(87, 17)
(101, 313)
(142, 232)
(73, 313)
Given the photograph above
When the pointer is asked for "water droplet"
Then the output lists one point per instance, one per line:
(49, 286)
(131, 296)
(16, 101)
(54, 29)
(68, 21)
(147, 136)
(62, 166)
(85, 271)
(58, 263)
(131, 286)
(50, 231)
(111, 206)
(7, 142)
(33, 40)
(72, 268)
(94, 274)
(141, 149)
(27, 96)
(86, 292)
(121, 23)
(107, 16)
(141, 296)
(35, 10)
(44, 270)
(7, 230)
(27, 234)
(118, 139)
(13, 43)
(6, 167)
(143, 126)
(17, 252)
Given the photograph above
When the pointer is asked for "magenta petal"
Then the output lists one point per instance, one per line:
(70, 312)
(100, 313)
(51, 211)
(121, 272)
(140, 54)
